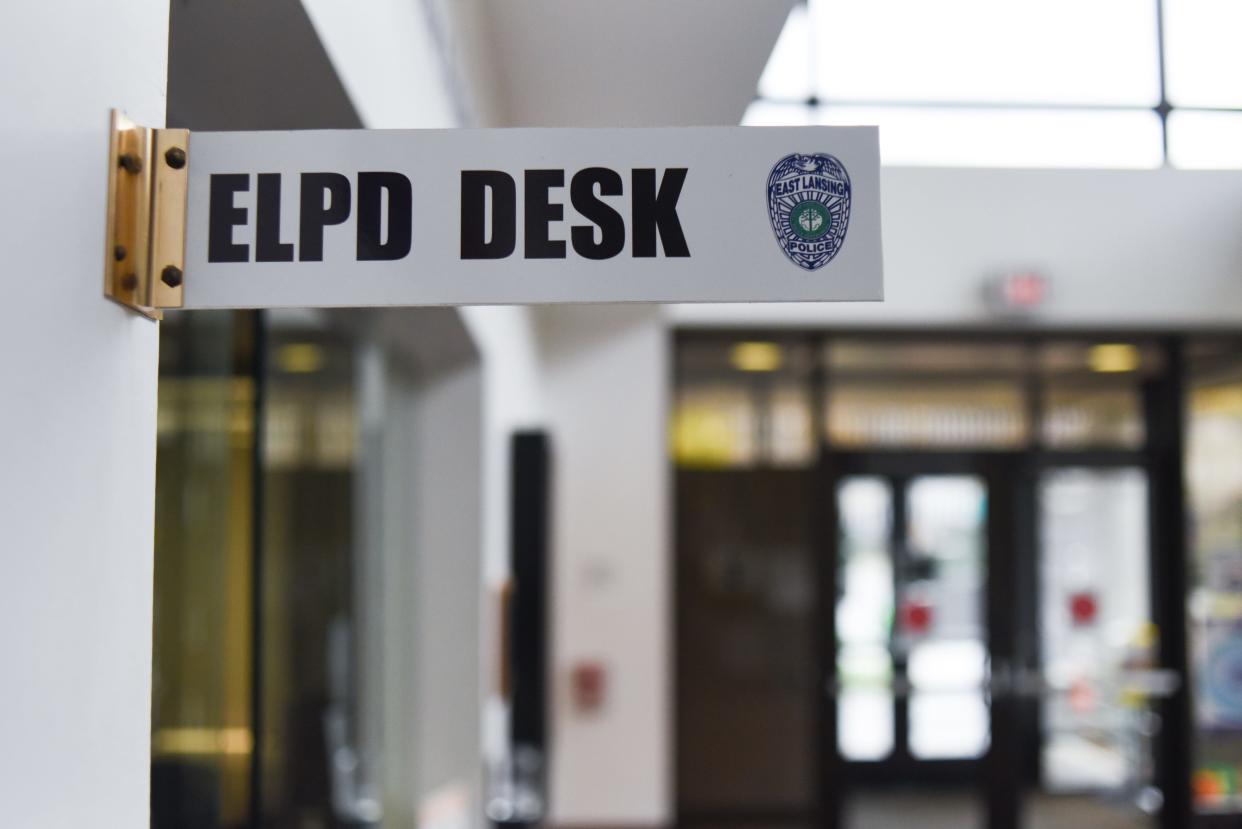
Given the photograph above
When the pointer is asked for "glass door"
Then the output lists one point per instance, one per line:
(910, 698)
(1099, 675)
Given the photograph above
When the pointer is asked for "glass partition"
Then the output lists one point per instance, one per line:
(260, 710)
(865, 609)
(1214, 477)
(202, 737)
(1097, 641)
(947, 657)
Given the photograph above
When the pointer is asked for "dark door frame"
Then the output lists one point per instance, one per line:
(998, 771)
(1012, 604)
(1161, 455)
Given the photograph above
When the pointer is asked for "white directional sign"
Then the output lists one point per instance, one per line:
(460, 217)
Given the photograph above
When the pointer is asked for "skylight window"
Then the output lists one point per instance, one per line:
(790, 73)
(1203, 52)
(1066, 83)
(1051, 52)
(999, 137)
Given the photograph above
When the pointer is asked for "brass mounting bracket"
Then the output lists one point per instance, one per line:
(148, 176)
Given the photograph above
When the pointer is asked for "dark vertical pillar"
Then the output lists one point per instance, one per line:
(899, 554)
(1028, 554)
(830, 787)
(1002, 772)
(528, 621)
(257, 513)
(1165, 402)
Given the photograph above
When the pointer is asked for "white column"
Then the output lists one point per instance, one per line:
(605, 372)
(77, 422)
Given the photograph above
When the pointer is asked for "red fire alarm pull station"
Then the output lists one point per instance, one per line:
(916, 617)
(1084, 608)
(588, 681)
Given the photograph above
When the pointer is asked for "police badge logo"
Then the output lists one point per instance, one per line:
(809, 205)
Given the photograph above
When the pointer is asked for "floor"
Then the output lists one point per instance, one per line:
(895, 809)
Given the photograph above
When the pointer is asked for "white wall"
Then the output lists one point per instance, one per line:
(77, 421)
(1120, 248)
(411, 63)
(375, 52)
(638, 63)
(604, 378)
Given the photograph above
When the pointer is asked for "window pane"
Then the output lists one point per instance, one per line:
(310, 626)
(1214, 477)
(1092, 393)
(714, 425)
(865, 606)
(926, 358)
(769, 114)
(960, 137)
(925, 394)
(202, 740)
(945, 574)
(1078, 415)
(864, 620)
(946, 414)
(1201, 51)
(1094, 628)
(865, 729)
(788, 73)
(1206, 140)
(1049, 52)
(789, 435)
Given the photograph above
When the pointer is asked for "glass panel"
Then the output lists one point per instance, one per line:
(770, 114)
(926, 394)
(742, 402)
(1091, 393)
(1205, 140)
(1096, 638)
(1092, 416)
(864, 620)
(741, 359)
(968, 51)
(789, 438)
(714, 426)
(926, 357)
(1201, 52)
(1214, 476)
(950, 413)
(959, 137)
(1090, 360)
(788, 75)
(942, 616)
(202, 739)
(309, 684)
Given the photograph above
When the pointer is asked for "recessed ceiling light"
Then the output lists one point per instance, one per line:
(756, 356)
(1113, 358)
(299, 358)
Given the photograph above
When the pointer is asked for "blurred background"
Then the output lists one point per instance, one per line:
(970, 557)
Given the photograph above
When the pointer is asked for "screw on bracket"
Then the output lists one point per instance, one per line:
(175, 157)
(171, 276)
(119, 253)
(129, 281)
(131, 163)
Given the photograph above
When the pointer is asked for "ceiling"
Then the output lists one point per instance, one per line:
(590, 63)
